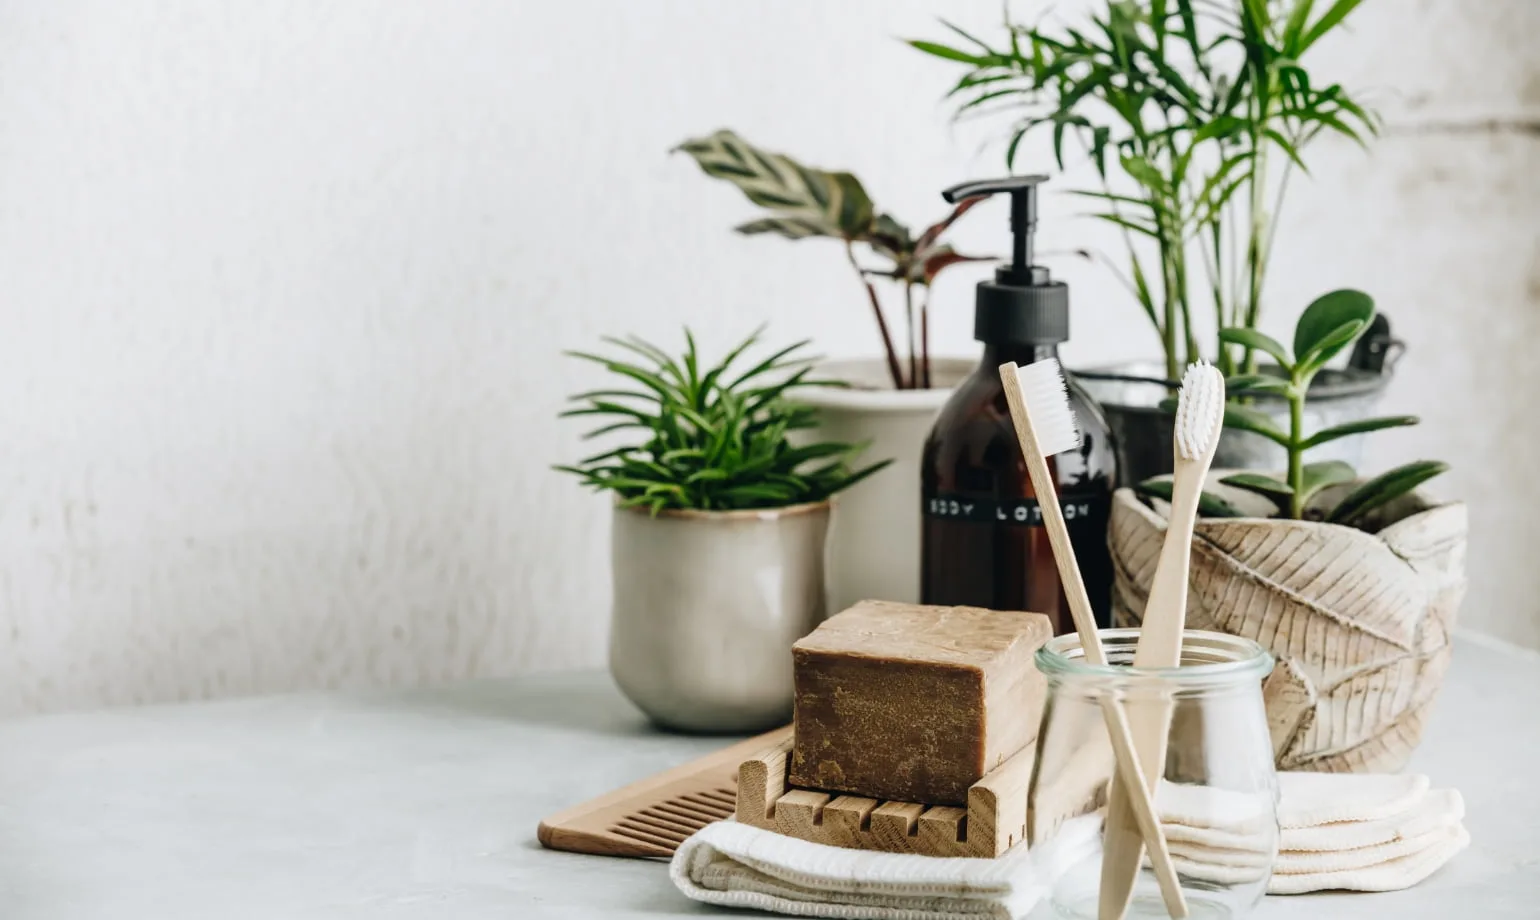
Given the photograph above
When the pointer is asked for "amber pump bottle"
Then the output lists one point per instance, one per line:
(983, 543)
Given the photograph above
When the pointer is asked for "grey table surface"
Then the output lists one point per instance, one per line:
(424, 804)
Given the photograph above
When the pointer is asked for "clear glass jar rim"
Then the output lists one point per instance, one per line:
(1240, 658)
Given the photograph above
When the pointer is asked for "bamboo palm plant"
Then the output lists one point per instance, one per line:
(1195, 114)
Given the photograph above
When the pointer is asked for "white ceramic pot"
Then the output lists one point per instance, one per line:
(874, 546)
(707, 606)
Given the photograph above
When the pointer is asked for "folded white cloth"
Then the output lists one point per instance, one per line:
(1358, 832)
(1354, 832)
(735, 865)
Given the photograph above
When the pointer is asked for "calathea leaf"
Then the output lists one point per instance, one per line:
(927, 266)
(806, 201)
(1383, 488)
(933, 232)
(793, 228)
(889, 237)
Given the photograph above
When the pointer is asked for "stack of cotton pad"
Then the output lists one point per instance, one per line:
(1358, 832)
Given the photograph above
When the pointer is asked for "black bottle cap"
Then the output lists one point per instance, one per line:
(1023, 305)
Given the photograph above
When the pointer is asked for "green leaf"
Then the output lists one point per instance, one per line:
(1294, 28)
(1358, 427)
(1327, 348)
(1383, 488)
(1259, 483)
(804, 201)
(1251, 338)
(1328, 21)
(942, 51)
(1244, 419)
(1317, 476)
(1145, 174)
(1328, 313)
(1241, 384)
(793, 228)
(707, 444)
(1209, 505)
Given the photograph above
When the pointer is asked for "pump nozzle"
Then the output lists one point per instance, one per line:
(1022, 304)
(1023, 192)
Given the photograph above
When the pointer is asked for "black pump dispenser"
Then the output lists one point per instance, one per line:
(1023, 305)
(982, 543)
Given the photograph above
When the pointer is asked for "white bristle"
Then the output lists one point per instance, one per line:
(1200, 410)
(1046, 398)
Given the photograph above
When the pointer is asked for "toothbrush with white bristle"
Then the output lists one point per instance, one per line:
(1199, 418)
(1045, 425)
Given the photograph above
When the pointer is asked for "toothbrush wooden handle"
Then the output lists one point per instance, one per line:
(1140, 802)
(1160, 646)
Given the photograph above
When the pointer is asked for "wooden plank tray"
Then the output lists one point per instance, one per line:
(994, 820)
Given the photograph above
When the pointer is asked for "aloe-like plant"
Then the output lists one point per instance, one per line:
(712, 438)
(805, 202)
(1195, 113)
(1330, 324)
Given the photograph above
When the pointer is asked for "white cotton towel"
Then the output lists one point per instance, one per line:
(1350, 832)
(735, 865)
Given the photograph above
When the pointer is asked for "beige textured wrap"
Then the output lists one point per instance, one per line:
(1359, 621)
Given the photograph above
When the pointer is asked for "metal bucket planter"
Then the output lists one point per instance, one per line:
(1359, 621)
(1130, 394)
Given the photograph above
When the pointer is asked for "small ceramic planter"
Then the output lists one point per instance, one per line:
(874, 549)
(707, 606)
(1358, 620)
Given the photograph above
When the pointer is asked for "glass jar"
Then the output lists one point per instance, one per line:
(1217, 798)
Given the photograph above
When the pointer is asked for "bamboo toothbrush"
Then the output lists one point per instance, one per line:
(1199, 418)
(1045, 425)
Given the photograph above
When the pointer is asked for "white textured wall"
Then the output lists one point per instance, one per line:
(284, 286)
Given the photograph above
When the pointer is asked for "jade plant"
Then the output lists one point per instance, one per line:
(1330, 324)
(709, 438)
(1194, 114)
(805, 202)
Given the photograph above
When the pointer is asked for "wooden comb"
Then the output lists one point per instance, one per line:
(651, 817)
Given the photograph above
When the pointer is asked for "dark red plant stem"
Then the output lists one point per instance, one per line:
(925, 343)
(914, 367)
(894, 370)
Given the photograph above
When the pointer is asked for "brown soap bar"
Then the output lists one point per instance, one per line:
(912, 703)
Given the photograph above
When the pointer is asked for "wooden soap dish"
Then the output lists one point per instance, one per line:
(994, 820)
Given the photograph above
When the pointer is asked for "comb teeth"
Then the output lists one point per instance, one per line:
(667, 824)
(1199, 410)
(1046, 398)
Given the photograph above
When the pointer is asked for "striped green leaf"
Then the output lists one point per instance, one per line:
(803, 201)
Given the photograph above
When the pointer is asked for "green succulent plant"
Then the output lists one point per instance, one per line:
(711, 438)
(805, 202)
(1330, 324)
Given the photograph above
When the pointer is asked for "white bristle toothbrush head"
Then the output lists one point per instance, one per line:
(1200, 411)
(1046, 397)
